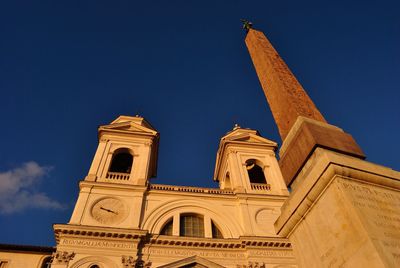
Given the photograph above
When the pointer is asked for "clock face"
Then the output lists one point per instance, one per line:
(109, 210)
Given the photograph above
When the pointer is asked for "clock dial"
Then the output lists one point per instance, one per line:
(109, 210)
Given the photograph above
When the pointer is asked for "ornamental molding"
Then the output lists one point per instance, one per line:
(62, 257)
(130, 262)
(252, 265)
(69, 230)
(210, 243)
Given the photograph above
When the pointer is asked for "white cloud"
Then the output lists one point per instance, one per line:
(17, 189)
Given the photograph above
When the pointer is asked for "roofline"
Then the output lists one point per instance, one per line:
(27, 248)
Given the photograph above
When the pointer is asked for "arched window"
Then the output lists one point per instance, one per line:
(46, 263)
(191, 225)
(121, 162)
(256, 173)
(216, 233)
(167, 229)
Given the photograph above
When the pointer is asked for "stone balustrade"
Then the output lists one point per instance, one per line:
(117, 176)
(188, 189)
(260, 186)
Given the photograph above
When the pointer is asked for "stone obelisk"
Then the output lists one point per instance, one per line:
(286, 97)
(293, 110)
(343, 211)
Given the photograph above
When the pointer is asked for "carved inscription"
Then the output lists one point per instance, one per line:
(219, 254)
(96, 243)
(271, 253)
(380, 208)
(188, 253)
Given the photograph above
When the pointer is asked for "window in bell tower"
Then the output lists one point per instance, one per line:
(121, 162)
(255, 172)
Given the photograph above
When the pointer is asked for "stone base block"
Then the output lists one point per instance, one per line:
(345, 213)
(306, 135)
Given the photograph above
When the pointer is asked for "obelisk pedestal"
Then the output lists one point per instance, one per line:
(345, 212)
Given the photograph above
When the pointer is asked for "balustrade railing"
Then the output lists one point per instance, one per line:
(117, 176)
(189, 189)
(260, 187)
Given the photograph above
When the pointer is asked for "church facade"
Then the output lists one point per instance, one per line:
(121, 219)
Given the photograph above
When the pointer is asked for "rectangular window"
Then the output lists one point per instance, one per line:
(191, 225)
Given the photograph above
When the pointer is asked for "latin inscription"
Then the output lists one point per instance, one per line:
(97, 243)
(210, 254)
(272, 253)
(218, 254)
(381, 209)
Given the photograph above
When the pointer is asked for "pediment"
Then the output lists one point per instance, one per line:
(130, 124)
(194, 261)
(248, 135)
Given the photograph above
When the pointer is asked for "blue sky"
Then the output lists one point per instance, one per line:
(67, 67)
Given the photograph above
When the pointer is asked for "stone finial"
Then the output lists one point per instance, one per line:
(236, 126)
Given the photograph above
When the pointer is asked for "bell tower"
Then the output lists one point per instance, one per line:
(125, 159)
(107, 215)
(127, 152)
(246, 163)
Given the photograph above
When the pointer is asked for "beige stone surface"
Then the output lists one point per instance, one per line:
(345, 212)
(17, 259)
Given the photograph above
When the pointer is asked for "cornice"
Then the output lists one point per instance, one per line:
(114, 186)
(127, 134)
(27, 248)
(96, 232)
(211, 243)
